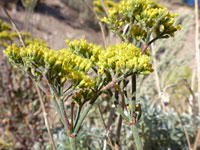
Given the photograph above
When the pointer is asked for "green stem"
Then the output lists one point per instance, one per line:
(82, 117)
(77, 116)
(72, 143)
(61, 110)
(56, 106)
(136, 137)
(125, 88)
(67, 92)
(54, 90)
(121, 112)
(132, 114)
(85, 112)
(133, 98)
(64, 115)
(62, 107)
(153, 28)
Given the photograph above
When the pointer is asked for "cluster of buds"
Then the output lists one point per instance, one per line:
(84, 49)
(57, 65)
(4, 26)
(7, 36)
(144, 16)
(123, 58)
(13, 54)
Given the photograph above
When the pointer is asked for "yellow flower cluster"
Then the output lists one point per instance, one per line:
(84, 49)
(114, 20)
(146, 14)
(59, 65)
(6, 36)
(10, 36)
(13, 54)
(4, 26)
(124, 58)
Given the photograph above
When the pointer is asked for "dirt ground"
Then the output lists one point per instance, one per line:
(53, 22)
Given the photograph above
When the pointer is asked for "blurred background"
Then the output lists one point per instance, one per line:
(170, 119)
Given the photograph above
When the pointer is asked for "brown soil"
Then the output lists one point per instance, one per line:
(53, 22)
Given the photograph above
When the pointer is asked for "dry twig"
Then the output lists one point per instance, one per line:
(157, 76)
(104, 7)
(197, 139)
(106, 127)
(99, 22)
(197, 47)
(45, 117)
(117, 146)
(14, 25)
(186, 133)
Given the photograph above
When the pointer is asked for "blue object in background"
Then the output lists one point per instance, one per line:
(190, 2)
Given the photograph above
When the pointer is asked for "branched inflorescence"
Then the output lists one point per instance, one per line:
(85, 49)
(144, 17)
(75, 62)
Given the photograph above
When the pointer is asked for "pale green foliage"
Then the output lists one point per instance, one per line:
(164, 130)
(88, 139)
